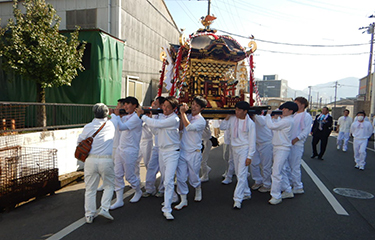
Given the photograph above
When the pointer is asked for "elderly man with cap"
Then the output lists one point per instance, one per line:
(243, 136)
(99, 163)
(282, 142)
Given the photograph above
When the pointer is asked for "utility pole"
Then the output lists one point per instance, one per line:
(335, 94)
(317, 100)
(370, 30)
(209, 7)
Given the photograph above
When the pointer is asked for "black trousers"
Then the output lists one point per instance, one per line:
(323, 138)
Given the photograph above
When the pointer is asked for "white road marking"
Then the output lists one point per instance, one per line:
(327, 194)
(79, 223)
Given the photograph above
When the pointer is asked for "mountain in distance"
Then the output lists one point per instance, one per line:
(346, 88)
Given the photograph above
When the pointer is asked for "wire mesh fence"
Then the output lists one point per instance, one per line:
(18, 117)
(26, 172)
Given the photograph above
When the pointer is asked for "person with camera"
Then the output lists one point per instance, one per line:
(99, 163)
(127, 153)
(242, 138)
(321, 129)
(191, 126)
(167, 129)
(281, 126)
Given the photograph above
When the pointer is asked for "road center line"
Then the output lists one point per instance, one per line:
(79, 223)
(327, 194)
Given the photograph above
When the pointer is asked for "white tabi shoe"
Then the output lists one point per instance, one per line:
(137, 196)
(119, 200)
(183, 203)
(226, 181)
(236, 205)
(105, 214)
(198, 194)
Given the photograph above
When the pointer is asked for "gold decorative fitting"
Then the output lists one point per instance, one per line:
(162, 55)
(253, 46)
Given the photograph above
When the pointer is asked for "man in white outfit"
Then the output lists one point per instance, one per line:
(343, 128)
(167, 127)
(243, 137)
(192, 126)
(282, 142)
(127, 153)
(261, 166)
(361, 131)
(207, 144)
(99, 163)
(300, 132)
(153, 164)
(228, 157)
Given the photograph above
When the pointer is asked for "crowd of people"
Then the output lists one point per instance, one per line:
(177, 144)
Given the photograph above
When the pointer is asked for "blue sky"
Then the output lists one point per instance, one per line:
(298, 23)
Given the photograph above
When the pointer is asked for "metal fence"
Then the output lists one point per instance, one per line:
(23, 116)
(26, 172)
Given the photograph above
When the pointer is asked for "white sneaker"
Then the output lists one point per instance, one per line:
(89, 219)
(264, 189)
(159, 194)
(362, 168)
(105, 214)
(256, 186)
(168, 215)
(285, 195)
(356, 166)
(204, 179)
(275, 201)
(344, 150)
(298, 191)
(147, 194)
(246, 197)
(226, 181)
(338, 147)
(236, 205)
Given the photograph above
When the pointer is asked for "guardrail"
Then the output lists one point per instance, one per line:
(18, 117)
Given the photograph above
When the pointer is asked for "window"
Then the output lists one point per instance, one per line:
(135, 88)
(85, 18)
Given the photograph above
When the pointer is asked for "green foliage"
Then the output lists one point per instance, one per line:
(32, 46)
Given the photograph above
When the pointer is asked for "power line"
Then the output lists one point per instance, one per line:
(313, 54)
(296, 44)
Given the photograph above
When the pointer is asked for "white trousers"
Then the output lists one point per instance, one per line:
(169, 160)
(261, 164)
(359, 147)
(188, 167)
(280, 157)
(152, 170)
(205, 155)
(293, 167)
(126, 164)
(228, 157)
(145, 147)
(242, 188)
(97, 167)
(343, 138)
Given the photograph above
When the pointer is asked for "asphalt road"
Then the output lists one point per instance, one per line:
(319, 213)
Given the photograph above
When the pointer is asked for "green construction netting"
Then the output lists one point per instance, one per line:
(100, 82)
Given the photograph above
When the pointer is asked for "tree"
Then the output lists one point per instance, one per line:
(32, 47)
